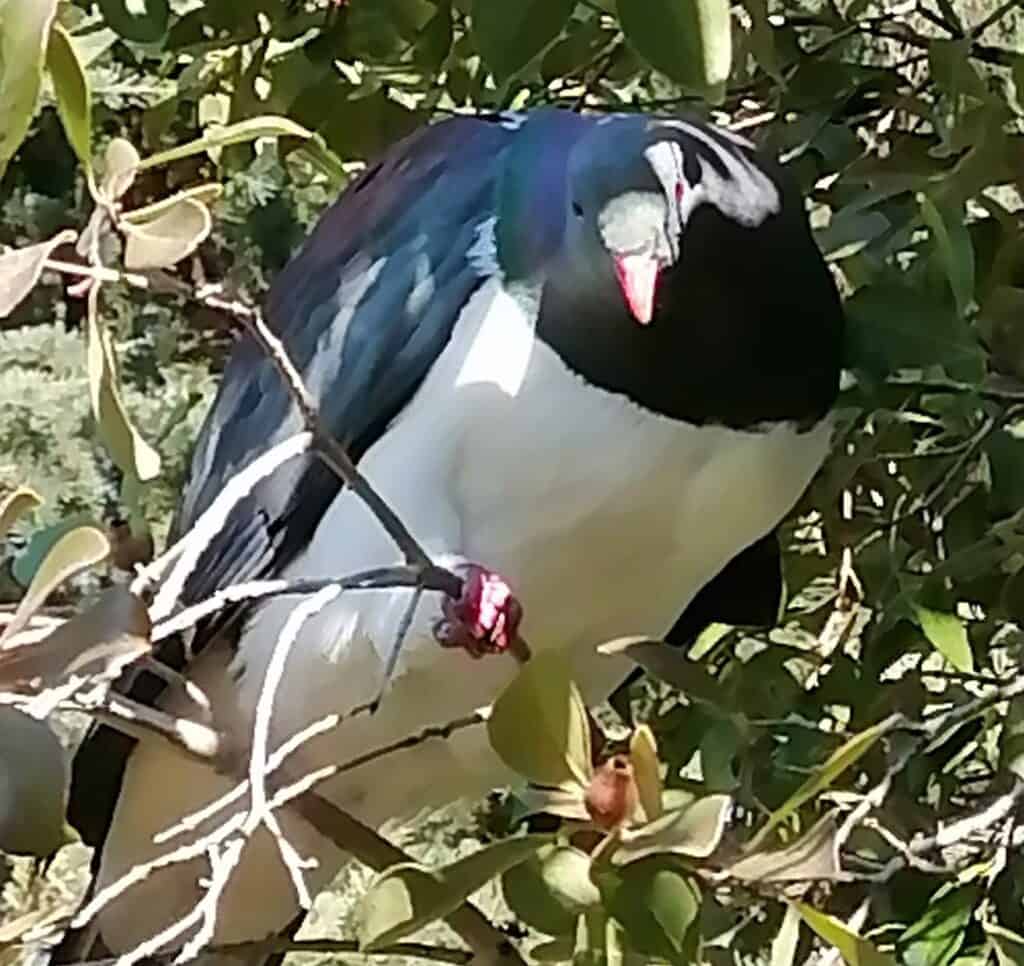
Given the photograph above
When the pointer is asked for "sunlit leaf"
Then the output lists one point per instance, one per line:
(690, 40)
(107, 635)
(407, 897)
(32, 777)
(24, 32)
(693, 831)
(948, 636)
(74, 101)
(127, 448)
(539, 724)
(144, 21)
(813, 856)
(643, 752)
(509, 35)
(74, 551)
(855, 950)
(16, 504)
(20, 269)
(786, 939)
(168, 237)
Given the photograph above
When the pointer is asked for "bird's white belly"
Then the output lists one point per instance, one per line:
(604, 518)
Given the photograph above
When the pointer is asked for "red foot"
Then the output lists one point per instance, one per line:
(485, 619)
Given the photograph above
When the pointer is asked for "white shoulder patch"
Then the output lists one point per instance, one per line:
(482, 255)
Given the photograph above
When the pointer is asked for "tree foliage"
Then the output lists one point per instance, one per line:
(851, 779)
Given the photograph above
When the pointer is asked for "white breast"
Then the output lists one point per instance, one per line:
(605, 518)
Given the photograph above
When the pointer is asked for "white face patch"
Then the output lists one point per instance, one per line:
(745, 194)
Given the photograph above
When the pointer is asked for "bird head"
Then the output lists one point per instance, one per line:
(633, 183)
(623, 217)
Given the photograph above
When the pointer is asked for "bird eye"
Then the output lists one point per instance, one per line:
(577, 209)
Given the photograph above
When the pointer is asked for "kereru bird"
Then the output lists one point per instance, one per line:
(589, 361)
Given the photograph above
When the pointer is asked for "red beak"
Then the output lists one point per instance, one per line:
(638, 277)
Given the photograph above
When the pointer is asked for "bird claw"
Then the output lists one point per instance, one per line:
(484, 619)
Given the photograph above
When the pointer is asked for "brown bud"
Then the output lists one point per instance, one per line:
(611, 796)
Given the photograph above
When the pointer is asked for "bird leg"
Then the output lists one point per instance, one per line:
(484, 619)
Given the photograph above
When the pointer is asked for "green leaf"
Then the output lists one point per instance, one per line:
(120, 165)
(762, 38)
(32, 777)
(16, 504)
(854, 950)
(408, 896)
(205, 194)
(693, 831)
(893, 326)
(20, 269)
(656, 903)
(127, 448)
(24, 33)
(74, 551)
(936, 938)
(947, 634)
(510, 35)
(74, 102)
(265, 126)
(689, 40)
(550, 889)
(538, 726)
(144, 21)
(104, 638)
(848, 754)
(167, 238)
(1008, 945)
(954, 247)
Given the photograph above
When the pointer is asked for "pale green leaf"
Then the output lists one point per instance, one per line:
(689, 40)
(74, 101)
(20, 269)
(127, 448)
(167, 238)
(408, 896)
(812, 857)
(785, 942)
(16, 504)
(693, 831)
(948, 636)
(265, 126)
(538, 726)
(643, 753)
(509, 35)
(74, 551)
(205, 194)
(120, 165)
(24, 33)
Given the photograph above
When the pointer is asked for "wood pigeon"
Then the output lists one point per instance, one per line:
(589, 360)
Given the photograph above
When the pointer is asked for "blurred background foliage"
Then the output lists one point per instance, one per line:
(904, 563)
